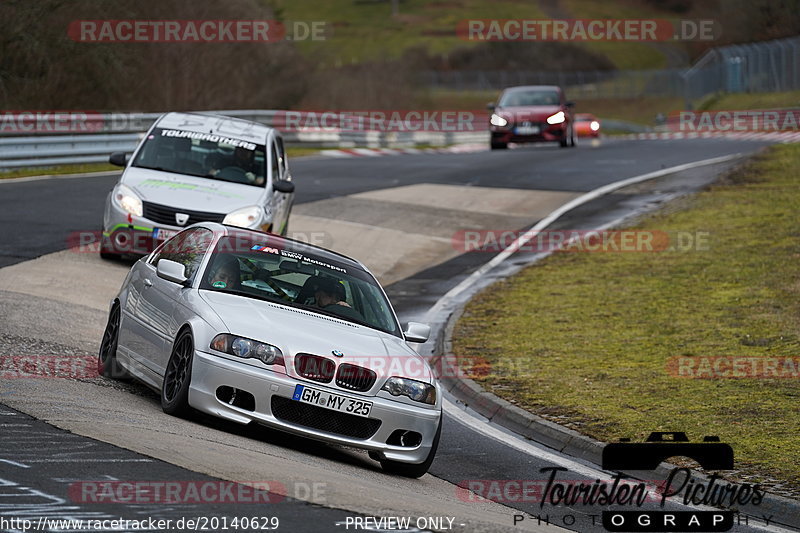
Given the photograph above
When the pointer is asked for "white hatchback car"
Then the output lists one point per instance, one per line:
(197, 167)
(255, 327)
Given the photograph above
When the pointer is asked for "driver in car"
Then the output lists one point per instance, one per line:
(243, 159)
(226, 274)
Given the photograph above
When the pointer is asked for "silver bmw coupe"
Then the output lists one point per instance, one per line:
(254, 327)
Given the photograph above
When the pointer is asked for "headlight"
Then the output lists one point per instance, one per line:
(558, 118)
(594, 125)
(247, 217)
(127, 200)
(497, 120)
(416, 390)
(247, 349)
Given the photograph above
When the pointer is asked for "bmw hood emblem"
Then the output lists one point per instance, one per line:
(337, 353)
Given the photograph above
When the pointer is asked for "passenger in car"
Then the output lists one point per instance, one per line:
(243, 159)
(330, 295)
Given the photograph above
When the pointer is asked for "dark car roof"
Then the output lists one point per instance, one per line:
(533, 88)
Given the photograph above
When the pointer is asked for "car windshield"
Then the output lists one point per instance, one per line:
(267, 269)
(526, 98)
(203, 155)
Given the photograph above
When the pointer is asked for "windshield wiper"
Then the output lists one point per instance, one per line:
(161, 169)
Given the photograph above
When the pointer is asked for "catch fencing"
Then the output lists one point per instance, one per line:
(769, 66)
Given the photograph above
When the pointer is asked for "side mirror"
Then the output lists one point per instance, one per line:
(283, 186)
(171, 271)
(491, 106)
(417, 332)
(118, 158)
(570, 104)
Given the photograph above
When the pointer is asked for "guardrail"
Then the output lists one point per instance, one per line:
(105, 133)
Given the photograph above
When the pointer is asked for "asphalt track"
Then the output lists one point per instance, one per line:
(37, 218)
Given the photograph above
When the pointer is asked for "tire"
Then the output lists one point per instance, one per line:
(411, 470)
(568, 140)
(106, 252)
(178, 376)
(107, 364)
(498, 146)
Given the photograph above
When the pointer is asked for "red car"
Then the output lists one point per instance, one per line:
(532, 113)
(586, 125)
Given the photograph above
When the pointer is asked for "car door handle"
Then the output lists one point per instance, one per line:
(147, 282)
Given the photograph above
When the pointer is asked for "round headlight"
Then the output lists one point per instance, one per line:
(241, 347)
(267, 353)
(417, 391)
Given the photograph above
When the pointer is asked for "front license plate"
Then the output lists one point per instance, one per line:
(334, 402)
(527, 130)
(163, 234)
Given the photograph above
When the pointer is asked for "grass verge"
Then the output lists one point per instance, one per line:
(585, 339)
(60, 169)
(638, 110)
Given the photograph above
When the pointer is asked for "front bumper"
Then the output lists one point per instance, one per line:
(210, 373)
(547, 133)
(124, 233)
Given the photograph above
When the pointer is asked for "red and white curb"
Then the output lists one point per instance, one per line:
(376, 152)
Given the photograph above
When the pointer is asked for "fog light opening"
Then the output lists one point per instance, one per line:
(236, 398)
(404, 438)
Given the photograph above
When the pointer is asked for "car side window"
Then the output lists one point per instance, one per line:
(276, 172)
(281, 156)
(187, 248)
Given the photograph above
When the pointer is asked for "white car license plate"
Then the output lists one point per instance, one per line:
(527, 130)
(163, 234)
(328, 400)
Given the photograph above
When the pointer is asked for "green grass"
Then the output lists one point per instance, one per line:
(365, 30)
(624, 54)
(751, 101)
(299, 151)
(61, 169)
(585, 338)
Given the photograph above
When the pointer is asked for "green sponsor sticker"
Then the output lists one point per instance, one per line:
(219, 284)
